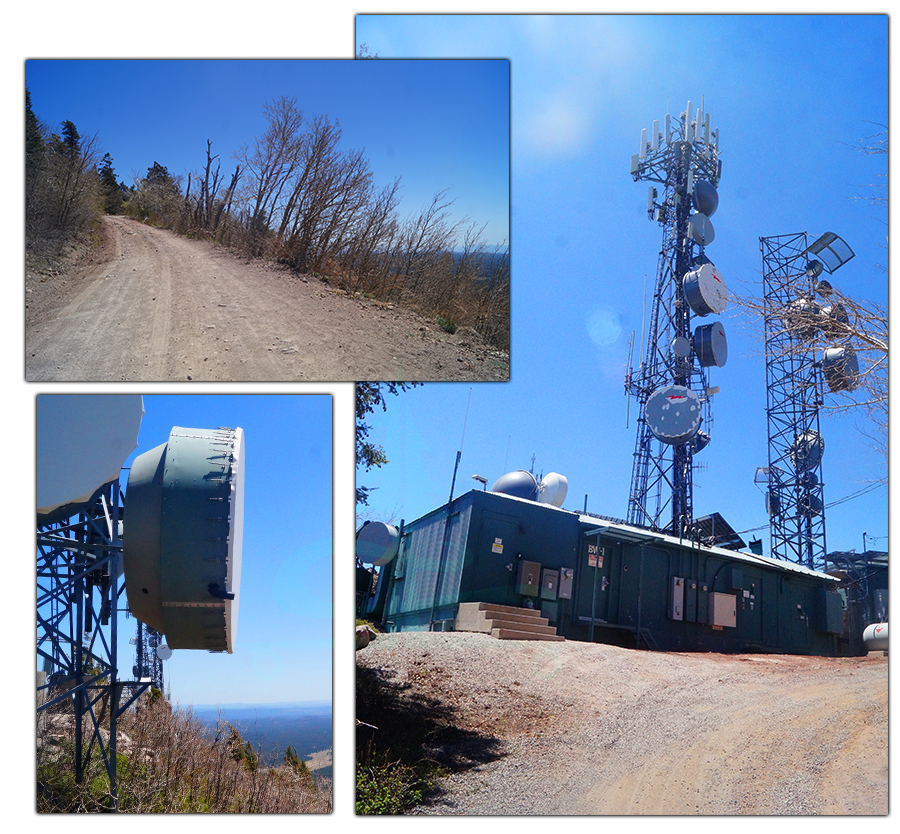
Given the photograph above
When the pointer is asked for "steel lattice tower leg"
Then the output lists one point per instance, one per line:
(662, 475)
(78, 588)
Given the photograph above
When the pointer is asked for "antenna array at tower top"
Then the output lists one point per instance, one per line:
(692, 128)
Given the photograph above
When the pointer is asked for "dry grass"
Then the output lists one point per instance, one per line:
(168, 763)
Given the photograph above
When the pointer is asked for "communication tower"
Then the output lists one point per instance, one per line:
(671, 384)
(806, 355)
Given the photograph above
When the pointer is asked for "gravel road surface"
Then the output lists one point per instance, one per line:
(155, 306)
(595, 729)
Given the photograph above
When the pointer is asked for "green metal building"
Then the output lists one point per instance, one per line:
(605, 581)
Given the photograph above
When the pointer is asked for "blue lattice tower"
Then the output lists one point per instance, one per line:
(148, 664)
(670, 384)
(78, 590)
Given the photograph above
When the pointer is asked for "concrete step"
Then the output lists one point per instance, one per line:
(509, 634)
(496, 608)
(504, 622)
(540, 627)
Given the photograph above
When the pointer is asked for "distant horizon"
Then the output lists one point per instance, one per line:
(269, 704)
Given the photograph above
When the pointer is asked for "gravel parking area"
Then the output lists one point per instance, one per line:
(595, 729)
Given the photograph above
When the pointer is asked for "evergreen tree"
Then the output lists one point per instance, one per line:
(298, 767)
(34, 146)
(71, 140)
(109, 188)
(241, 751)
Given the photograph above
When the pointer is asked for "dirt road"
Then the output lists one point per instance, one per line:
(595, 729)
(156, 306)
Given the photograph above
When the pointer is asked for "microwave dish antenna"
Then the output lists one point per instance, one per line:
(377, 543)
(184, 537)
(553, 489)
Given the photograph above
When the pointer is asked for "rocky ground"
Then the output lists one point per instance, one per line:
(577, 728)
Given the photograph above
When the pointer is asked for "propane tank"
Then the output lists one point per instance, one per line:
(876, 637)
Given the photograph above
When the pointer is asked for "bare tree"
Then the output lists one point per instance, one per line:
(857, 329)
(270, 164)
(875, 144)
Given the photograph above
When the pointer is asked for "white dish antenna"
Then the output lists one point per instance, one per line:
(163, 652)
(553, 489)
(673, 414)
(701, 229)
(377, 543)
(82, 442)
(841, 368)
(705, 290)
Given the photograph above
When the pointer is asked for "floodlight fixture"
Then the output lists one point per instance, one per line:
(831, 250)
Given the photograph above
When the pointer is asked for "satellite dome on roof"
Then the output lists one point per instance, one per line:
(519, 484)
(553, 489)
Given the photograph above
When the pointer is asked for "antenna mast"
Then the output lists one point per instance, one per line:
(801, 324)
(671, 386)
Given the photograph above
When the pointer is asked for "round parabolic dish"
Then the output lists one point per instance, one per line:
(519, 484)
(841, 368)
(710, 345)
(673, 414)
(810, 505)
(706, 198)
(807, 450)
(377, 543)
(553, 489)
(82, 442)
(183, 537)
(701, 229)
(681, 346)
(705, 290)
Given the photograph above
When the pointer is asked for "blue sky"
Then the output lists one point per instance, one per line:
(435, 124)
(791, 96)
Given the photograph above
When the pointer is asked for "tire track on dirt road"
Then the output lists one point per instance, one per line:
(164, 307)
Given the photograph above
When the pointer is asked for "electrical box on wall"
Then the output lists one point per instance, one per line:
(723, 610)
(549, 584)
(528, 579)
(566, 578)
(676, 598)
